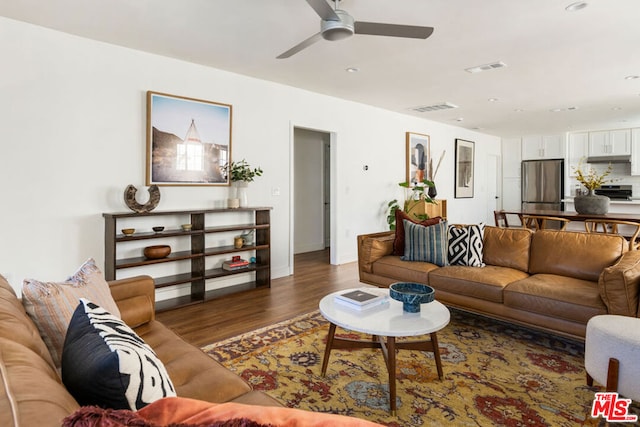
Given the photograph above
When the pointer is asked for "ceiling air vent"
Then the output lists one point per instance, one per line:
(435, 107)
(486, 67)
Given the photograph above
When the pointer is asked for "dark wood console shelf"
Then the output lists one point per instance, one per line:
(197, 274)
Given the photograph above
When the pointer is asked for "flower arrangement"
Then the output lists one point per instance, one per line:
(590, 178)
(241, 171)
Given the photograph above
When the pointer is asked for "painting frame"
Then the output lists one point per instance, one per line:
(418, 157)
(200, 158)
(464, 169)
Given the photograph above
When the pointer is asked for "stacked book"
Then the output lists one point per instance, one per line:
(362, 299)
(236, 263)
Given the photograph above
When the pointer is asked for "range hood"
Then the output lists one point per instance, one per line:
(609, 159)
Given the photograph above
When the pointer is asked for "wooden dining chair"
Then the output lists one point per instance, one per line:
(627, 229)
(501, 219)
(543, 222)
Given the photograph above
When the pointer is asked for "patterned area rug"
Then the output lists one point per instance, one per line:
(494, 374)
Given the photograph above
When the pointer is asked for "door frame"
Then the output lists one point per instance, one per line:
(333, 220)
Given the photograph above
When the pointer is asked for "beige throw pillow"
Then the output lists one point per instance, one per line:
(51, 305)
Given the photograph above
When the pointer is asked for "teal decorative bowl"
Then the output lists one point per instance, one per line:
(411, 295)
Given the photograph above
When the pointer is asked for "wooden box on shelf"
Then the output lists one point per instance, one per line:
(421, 207)
(198, 274)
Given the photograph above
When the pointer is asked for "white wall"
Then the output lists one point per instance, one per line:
(72, 118)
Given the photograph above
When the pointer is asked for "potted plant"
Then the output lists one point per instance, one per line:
(415, 198)
(591, 179)
(241, 174)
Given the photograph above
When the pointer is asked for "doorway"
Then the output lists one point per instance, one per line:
(494, 186)
(311, 202)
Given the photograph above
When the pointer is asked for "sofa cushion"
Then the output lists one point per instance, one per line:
(401, 216)
(618, 285)
(105, 363)
(31, 393)
(16, 325)
(507, 247)
(551, 295)
(403, 271)
(485, 283)
(574, 254)
(465, 245)
(374, 248)
(426, 243)
(51, 305)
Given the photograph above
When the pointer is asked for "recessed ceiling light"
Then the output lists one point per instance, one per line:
(576, 6)
(492, 99)
(616, 108)
(352, 70)
(557, 110)
(632, 77)
(460, 119)
(518, 110)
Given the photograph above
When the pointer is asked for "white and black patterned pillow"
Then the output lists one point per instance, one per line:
(105, 363)
(466, 245)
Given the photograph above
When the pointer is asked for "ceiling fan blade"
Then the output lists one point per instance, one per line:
(297, 48)
(323, 10)
(393, 30)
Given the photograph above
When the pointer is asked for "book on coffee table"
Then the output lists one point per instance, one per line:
(360, 298)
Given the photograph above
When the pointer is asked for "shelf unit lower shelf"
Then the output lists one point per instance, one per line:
(198, 274)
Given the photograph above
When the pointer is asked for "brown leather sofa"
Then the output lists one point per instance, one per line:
(550, 280)
(32, 394)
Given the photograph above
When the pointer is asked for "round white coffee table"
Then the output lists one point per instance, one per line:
(385, 323)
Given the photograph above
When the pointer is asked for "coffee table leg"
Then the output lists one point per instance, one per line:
(391, 351)
(436, 354)
(327, 350)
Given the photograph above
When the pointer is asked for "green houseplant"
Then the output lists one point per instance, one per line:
(415, 197)
(240, 175)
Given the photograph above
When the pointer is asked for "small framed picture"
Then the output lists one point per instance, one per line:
(464, 169)
(188, 141)
(418, 156)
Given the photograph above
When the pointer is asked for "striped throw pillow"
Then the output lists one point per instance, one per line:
(426, 243)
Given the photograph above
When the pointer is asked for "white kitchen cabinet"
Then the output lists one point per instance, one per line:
(511, 157)
(610, 143)
(635, 151)
(543, 147)
(578, 150)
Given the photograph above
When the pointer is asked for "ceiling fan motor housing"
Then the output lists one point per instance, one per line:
(338, 30)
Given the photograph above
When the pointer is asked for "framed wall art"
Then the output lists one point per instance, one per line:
(418, 156)
(464, 169)
(188, 141)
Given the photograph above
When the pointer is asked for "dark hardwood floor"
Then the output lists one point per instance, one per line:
(241, 312)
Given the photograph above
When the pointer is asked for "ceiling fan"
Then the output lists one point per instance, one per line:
(338, 24)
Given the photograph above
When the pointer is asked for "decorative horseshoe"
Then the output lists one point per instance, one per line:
(130, 199)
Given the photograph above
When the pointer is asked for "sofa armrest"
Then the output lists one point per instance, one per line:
(135, 298)
(372, 247)
(619, 285)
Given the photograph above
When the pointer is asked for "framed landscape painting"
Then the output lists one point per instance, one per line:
(418, 154)
(464, 169)
(188, 141)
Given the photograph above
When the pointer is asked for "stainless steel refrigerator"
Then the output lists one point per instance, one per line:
(542, 184)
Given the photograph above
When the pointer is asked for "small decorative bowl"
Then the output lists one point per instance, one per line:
(186, 227)
(411, 295)
(128, 231)
(158, 229)
(157, 251)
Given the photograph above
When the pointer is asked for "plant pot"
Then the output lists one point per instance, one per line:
(591, 204)
(241, 192)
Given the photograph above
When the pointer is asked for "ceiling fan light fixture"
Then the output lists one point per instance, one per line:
(338, 30)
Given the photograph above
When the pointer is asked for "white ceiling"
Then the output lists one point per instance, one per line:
(555, 59)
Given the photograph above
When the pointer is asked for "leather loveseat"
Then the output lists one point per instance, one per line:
(550, 280)
(32, 394)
